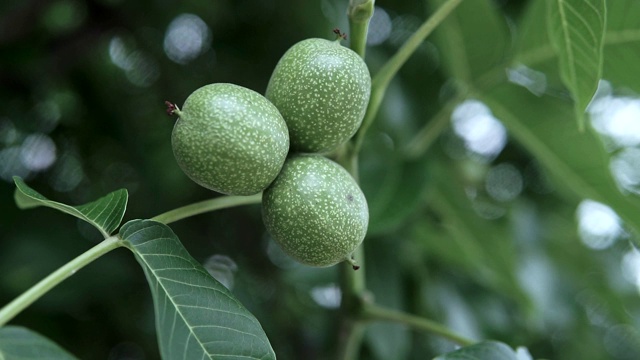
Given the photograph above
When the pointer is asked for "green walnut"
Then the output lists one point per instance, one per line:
(322, 90)
(315, 211)
(229, 139)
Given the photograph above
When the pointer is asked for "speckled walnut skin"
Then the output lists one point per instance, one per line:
(315, 211)
(322, 90)
(230, 139)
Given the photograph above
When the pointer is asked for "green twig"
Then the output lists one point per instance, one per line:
(373, 312)
(353, 281)
(35, 292)
(222, 202)
(381, 80)
(360, 12)
(12, 309)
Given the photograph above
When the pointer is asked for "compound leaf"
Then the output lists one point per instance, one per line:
(576, 31)
(196, 316)
(20, 343)
(105, 213)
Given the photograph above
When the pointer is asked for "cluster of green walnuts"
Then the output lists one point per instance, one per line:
(233, 140)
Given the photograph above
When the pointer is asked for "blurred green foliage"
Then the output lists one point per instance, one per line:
(83, 83)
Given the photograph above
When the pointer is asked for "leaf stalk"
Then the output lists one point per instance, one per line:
(13, 308)
(201, 207)
(373, 312)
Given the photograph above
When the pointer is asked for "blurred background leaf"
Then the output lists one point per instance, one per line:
(20, 343)
(580, 169)
(473, 41)
(576, 31)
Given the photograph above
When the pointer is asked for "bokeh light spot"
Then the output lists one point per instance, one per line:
(504, 182)
(482, 133)
(118, 53)
(327, 296)
(598, 225)
(616, 118)
(278, 257)
(631, 267)
(625, 167)
(522, 353)
(222, 268)
(38, 152)
(143, 71)
(379, 27)
(402, 27)
(534, 81)
(187, 37)
(140, 68)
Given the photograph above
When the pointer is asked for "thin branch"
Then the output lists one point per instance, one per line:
(381, 80)
(360, 12)
(13, 308)
(206, 206)
(376, 313)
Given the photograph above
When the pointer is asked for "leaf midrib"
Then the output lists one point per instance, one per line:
(175, 305)
(546, 53)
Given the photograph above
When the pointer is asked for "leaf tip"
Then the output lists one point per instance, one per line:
(17, 180)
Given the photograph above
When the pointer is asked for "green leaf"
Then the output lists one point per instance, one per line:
(105, 213)
(577, 161)
(196, 316)
(20, 343)
(486, 350)
(576, 29)
(621, 43)
(473, 40)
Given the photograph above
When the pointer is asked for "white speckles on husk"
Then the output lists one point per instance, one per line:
(322, 90)
(230, 139)
(315, 211)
